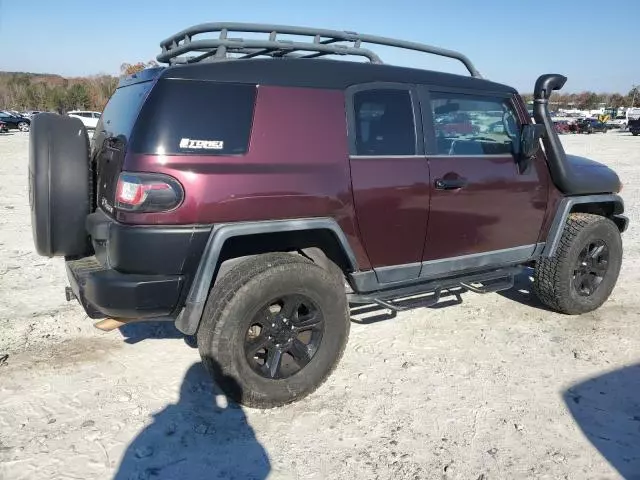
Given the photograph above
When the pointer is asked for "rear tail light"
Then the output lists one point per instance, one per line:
(147, 192)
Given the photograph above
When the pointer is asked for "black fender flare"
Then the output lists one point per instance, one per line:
(566, 206)
(188, 319)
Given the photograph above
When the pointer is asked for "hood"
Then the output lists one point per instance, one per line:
(592, 176)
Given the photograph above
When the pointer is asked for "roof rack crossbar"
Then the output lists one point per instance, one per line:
(220, 48)
(323, 42)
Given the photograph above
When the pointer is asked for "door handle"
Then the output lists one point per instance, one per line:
(450, 184)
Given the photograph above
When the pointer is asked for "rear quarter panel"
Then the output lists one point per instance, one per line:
(296, 166)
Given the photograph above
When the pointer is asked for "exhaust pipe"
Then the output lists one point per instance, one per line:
(558, 165)
(109, 324)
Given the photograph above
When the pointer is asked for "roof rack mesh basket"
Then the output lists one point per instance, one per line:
(313, 43)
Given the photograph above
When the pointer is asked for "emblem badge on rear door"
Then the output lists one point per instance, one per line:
(190, 144)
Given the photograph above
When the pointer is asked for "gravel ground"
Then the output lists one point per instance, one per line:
(490, 387)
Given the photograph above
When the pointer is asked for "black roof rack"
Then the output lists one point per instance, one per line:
(324, 42)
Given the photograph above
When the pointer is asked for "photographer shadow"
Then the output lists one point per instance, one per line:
(199, 437)
(607, 410)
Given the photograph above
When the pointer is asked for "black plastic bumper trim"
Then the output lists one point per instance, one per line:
(105, 292)
(148, 249)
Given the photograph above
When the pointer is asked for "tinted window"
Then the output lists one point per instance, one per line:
(469, 125)
(188, 116)
(384, 123)
(121, 111)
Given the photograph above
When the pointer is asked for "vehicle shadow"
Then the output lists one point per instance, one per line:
(522, 291)
(138, 331)
(361, 313)
(196, 438)
(607, 410)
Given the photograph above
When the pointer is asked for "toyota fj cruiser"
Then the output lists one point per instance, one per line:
(252, 200)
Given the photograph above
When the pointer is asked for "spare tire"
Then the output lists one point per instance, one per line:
(59, 184)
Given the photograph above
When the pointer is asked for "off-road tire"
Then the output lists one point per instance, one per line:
(237, 297)
(60, 180)
(553, 277)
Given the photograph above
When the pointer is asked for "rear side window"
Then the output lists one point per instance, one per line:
(198, 117)
(384, 123)
(122, 109)
(474, 125)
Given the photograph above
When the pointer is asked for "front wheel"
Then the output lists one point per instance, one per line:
(583, 272)
(23, 126)
(274, 328)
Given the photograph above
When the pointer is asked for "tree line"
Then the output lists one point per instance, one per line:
(592, 100)
(26, 91)
(29, 91)
(43, 92)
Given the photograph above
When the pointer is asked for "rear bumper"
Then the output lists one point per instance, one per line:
(104, 292)
(136, 272)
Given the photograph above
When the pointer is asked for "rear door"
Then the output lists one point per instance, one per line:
(484, 209)
(390, 176)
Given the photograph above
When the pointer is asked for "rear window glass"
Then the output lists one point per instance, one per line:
(195, 117)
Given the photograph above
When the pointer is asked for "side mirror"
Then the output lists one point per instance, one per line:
(530, 140)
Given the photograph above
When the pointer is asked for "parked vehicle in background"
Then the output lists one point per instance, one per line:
(591, 125)
(15, 122)
(633, 115)
(619, 122)
(562, 126)
(634, 127)
(30, 113)
(89, 119)
(236, 198)
(3, 127)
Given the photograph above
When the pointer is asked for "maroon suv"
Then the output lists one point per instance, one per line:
(252, 200)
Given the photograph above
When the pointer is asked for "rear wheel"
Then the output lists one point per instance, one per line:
(23, 126)
(273, 329)
(582, 274)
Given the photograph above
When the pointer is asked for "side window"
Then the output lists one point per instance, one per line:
(384, 123)
(474, 125)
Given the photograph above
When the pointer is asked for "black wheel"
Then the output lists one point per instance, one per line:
(274, 328)
(23, 126)
(59, 184)
(635, 134)
(583, 272)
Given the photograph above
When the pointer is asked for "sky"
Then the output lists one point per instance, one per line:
(594, 43)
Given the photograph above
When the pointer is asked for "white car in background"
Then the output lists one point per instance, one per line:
(89, 118)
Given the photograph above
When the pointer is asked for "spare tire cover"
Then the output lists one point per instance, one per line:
(59, 184)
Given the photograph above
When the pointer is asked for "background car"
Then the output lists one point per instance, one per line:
(591, 125)
(561, 126)
(90, 119)
(30, 113)
(3, 127)
(12, 121)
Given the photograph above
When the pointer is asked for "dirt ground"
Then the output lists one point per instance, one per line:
(485, 387)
